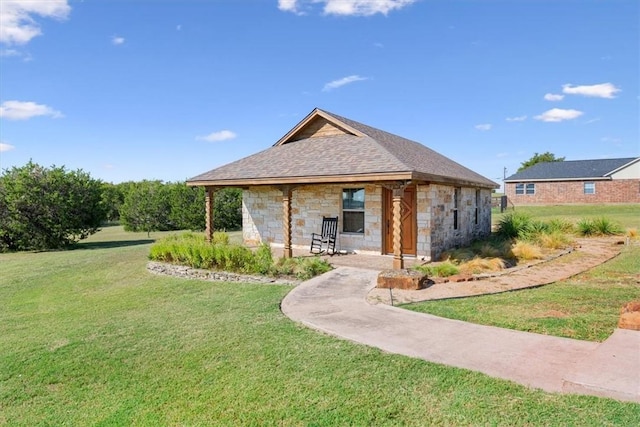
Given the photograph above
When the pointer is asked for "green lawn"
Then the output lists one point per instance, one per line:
(585, 307)
(88, 337)
(627, 215)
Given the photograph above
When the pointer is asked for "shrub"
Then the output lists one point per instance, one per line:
(598, 227)
(480, 265)
(553, 240)
(462, 254)
(220, 238)
(560, 225)
(47, 208)
(526, 251)
(443, 269)
(514, 224)
(193, 250)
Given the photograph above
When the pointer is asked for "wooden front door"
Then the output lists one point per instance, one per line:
(409, 221)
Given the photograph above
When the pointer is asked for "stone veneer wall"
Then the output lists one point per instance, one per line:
(262, 216)
(443, 235)
(559, 192)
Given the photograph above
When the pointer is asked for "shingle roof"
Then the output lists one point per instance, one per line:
(571, 169)
(376, 155)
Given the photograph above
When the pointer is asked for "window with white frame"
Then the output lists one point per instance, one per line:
(353, 210)
(589, 188)
(529, 188)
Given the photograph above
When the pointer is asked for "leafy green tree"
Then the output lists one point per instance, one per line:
(187, 207)
(112, 200)
(540, 158)
(227, 209)
(47, 208)
(146, 207)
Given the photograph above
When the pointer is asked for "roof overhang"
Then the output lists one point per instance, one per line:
(339, 179)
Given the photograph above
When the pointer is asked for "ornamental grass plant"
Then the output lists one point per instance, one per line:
(193, 250)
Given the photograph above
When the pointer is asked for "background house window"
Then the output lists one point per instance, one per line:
(589, 188)
(353, 210)
(456, 204)
(529, 188)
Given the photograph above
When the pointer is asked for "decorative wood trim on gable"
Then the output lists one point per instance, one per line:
(316, 125)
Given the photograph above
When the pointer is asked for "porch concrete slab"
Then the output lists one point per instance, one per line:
(335, 303)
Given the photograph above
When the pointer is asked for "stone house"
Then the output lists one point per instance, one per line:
(391, 195)
(576, 181)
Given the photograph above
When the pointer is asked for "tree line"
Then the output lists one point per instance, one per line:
(51, 208)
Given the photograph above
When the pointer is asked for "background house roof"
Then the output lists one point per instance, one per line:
(571, 169)
(352, 150)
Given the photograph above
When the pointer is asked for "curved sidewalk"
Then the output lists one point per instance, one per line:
(335, 303)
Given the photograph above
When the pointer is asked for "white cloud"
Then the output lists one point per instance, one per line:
(516, 119)
(553, 97)
(347, 7)
(6, 147)
(502, 155)
(20, 110)
(558, 115)
(178, 27)
(222, 135)
(17, 23)
(483, 127)
(288, 5)
(341, 82)
(117, 40)
(602, 90)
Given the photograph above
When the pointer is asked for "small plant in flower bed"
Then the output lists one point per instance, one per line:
(443, 269)
(193, 250)
(598, 227)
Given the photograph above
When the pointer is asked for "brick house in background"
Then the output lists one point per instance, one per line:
(391, 195)
(576, 181)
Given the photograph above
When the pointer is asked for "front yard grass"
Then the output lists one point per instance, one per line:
(584, 307)
(627, 215)
(88, 337)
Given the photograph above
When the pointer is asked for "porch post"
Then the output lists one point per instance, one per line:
(286, 220)
(208, 221)
(398, 260)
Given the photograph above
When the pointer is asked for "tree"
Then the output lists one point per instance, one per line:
(540, 158)
(47, 208)
(157, 206)
(227, 209)
(146, 207)
(112, 200)
(187, 207)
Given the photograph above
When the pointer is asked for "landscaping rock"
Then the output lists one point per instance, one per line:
(630, 316)
(402, 279)
(212, 275)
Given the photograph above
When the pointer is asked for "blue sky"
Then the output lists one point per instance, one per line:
(168, 89)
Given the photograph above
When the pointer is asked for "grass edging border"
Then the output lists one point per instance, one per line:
(186, 272)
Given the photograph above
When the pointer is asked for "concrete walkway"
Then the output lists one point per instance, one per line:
(335, 303)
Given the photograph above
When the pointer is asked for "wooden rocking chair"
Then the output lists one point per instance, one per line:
(326, 240)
